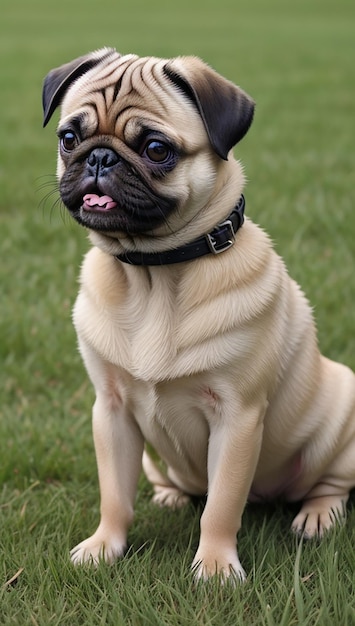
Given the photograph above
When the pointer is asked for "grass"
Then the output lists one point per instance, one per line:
(297, 62)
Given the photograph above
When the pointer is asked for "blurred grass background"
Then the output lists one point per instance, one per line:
(297, 61)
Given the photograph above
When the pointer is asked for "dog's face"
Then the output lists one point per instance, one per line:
(142, 140)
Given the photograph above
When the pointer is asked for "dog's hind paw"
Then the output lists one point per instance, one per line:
(318, 515)
(171, 497)
(98, 548)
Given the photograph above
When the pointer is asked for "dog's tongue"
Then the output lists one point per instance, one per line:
(93, 202)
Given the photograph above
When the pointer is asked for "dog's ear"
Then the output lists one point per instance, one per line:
(226, 110)
(59, 80)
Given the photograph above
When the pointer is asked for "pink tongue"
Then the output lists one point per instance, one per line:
(98, 203)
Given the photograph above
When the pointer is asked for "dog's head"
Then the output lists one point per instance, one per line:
(143, 142)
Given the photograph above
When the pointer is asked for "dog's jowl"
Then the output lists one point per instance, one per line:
(194, 336)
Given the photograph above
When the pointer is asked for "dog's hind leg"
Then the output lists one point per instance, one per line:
(325, 503)
(165, 492)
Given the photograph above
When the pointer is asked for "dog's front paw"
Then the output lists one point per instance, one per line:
(318, 515)
(99, 547)
(225, 565)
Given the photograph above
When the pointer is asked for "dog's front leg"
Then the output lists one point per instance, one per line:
(119, 448)
(232, 458)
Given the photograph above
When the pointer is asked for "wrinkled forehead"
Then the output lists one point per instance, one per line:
(128, 92)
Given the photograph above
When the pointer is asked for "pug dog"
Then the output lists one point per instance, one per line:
(193, 334)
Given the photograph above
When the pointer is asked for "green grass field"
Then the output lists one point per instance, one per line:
(297, 61)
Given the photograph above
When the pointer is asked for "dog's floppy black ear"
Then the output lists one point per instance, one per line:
(226, 110)
(58, 80)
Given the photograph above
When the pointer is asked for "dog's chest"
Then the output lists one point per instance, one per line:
(139, 320)
(147, 326)
(127, 318)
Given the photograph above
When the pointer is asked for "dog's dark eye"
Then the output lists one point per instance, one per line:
(68, 141)
(157, 151)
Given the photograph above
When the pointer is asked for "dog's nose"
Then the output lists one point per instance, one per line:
(102, 159)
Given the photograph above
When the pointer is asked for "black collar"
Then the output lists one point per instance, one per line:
(219, 239)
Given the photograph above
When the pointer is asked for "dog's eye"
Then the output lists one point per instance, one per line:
(157, 151)
(68, 141)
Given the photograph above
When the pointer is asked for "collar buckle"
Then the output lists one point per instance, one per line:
(222, 237)
(218, 240)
